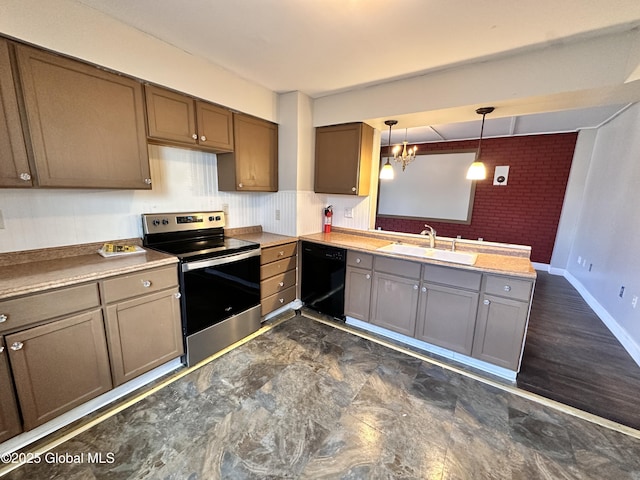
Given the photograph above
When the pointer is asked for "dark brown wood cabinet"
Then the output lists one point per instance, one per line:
(253, 165)
(343, 159)
(142, 319)
(14, 163)
(10, 424)
(59, 365)
(86, 125)
(177, 119)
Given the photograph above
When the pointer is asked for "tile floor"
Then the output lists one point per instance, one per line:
(307, 400)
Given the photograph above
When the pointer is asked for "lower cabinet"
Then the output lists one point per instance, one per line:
(59, 365)
(278, 276)
(358, 282)
(143, 333)
(394, 300)
(10, 424)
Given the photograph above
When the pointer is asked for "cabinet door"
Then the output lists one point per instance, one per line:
(143, 333)
(394, 303)
(14, 166)
(358, 293)
(500, 331)
(447, 317)
(170, 115)
(59, 366)
(253, 165)
(87, 125)
(215, 127)
(10, 424)
(343, 159)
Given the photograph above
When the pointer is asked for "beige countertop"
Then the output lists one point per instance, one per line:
(46, 273)
(486, 262)
(266, 239)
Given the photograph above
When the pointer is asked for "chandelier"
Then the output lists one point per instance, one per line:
(407, 156)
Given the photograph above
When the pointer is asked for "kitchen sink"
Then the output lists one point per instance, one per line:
(464, 258)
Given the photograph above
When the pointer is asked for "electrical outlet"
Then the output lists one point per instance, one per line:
(277, 214)
(621, 294)
(1, 221)
(634, 302)
(348, 213)
(225, 208)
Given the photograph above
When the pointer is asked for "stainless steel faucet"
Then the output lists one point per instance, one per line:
(430, 231)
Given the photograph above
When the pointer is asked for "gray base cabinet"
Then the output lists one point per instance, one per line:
(10, 424)
(358, 284)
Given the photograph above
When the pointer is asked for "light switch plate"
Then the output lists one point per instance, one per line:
(501, 175)
(348, 212)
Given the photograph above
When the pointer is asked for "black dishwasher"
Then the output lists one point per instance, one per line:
(323, 274)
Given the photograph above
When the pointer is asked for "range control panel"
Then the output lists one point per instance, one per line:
(180, 222)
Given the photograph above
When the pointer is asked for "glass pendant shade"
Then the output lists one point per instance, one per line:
(477, 171)
(387, 171)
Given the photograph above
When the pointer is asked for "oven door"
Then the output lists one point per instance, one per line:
(218, 288)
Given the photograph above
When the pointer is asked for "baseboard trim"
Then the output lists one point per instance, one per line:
(628, 343)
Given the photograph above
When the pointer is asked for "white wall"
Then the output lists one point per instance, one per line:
(607, 233)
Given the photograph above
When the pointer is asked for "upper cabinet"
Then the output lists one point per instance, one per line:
(14, 167)
(253, 165)
(86, 125)
(174, 118)
(343, 159)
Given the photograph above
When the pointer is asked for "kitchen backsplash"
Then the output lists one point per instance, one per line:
(183, 180)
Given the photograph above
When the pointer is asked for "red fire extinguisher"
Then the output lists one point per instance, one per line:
(328, 213)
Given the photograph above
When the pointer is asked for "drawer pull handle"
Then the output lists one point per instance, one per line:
(146, 283)
(358, 260)
(280, 253)
(177, 295)
(507, 288)
(3, 318)
(228, 309)
(281, 284)
(486, 302)
(281, 300)
(17, 346)
(368, 276)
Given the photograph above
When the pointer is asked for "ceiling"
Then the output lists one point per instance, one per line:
(322, 47)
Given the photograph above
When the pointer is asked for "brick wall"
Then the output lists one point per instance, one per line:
(526, 211)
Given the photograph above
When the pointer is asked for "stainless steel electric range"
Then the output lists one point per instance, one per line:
(219, 279)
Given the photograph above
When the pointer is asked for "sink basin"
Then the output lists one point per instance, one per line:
(464, 258)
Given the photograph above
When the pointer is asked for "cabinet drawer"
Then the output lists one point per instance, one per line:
(276, 301)
(359, 260)
(139, 283)
(23, 311)
(452, 276)
(397, 267)
(274, 268)
(271, 254)
(277, 283)
(508, 287)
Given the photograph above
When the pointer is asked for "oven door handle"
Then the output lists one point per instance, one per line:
(211, 262)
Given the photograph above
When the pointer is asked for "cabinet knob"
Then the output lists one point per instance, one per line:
(281, 284)
(17, 346)
(353, 189)
(203, 138)
(25, 177)
(146, 283)
(177, 295)
(1, 349)
(194, 136)
(486, 302)
(423, 289)
(281, 300)
(240, 185)
(3, 318)
(358, 260)
(367, 276)
(415, 287)
(281, 253)
(147, 181)
(507, 288)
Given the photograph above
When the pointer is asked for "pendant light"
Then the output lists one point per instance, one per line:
(386, 173)
(477, 170)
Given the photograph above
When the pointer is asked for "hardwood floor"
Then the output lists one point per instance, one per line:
(570, 356)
